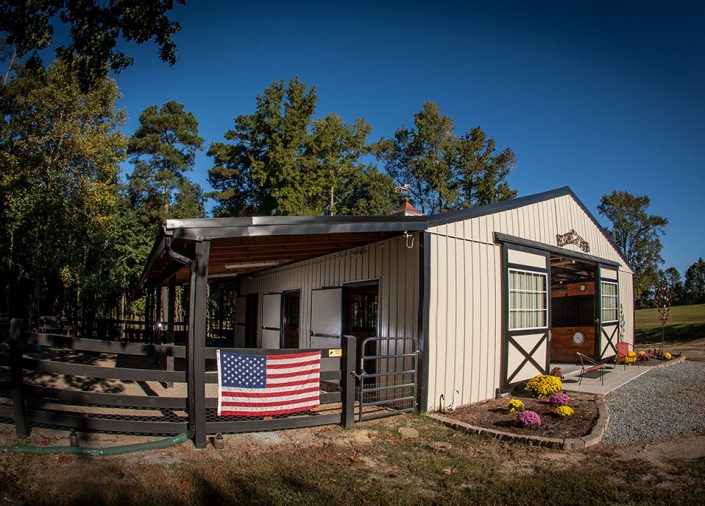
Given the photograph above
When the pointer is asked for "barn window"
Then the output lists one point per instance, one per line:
(608, 301)
(527, 300)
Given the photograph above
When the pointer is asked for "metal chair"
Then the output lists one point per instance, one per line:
(587, 364)
(623, 352)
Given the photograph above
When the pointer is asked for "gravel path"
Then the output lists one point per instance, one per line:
(661, 403)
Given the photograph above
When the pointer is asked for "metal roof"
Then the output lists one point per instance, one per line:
(244, 245)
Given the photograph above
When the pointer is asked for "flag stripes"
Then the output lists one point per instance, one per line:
(267, 385)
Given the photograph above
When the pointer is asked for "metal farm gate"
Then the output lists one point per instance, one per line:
(387, 377)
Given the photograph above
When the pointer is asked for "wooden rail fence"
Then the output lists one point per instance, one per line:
(31, 357)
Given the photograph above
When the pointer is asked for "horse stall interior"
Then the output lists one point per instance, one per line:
(572, 309)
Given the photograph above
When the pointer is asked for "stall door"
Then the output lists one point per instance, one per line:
(240, 321)
(527, 314)
(607, 323)
(271, 320)
(291, 312)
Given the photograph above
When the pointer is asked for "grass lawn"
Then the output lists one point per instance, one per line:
(684, 323)
(370, 464)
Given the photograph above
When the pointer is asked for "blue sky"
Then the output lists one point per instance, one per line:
(595, 95)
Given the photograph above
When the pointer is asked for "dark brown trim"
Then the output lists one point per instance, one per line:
(518, 241)
(424, 319)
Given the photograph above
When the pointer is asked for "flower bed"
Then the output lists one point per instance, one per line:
(493, 414)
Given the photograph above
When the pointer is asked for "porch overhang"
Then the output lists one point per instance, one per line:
(241, 246)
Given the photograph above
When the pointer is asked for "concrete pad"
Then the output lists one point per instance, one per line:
(614, 378)
(568, 369)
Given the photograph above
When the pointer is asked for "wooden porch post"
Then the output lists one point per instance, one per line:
(348, 380)
(171, 303)
(197, 346)
(148, 316)
(157, 313)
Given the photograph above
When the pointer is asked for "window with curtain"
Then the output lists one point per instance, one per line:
(608, 302)
(527, 300)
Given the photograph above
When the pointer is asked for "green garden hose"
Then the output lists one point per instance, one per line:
(98, 452)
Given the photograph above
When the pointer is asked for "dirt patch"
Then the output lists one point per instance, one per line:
(370, 464)
(493, 414)
(693, 350)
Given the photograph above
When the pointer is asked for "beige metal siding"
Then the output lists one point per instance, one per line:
(465, 327)
(395, 266)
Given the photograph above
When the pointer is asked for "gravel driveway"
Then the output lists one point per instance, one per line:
(661, 403)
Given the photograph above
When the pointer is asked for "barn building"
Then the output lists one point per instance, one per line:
(487, 297)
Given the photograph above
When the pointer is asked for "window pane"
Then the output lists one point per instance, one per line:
(527, 299)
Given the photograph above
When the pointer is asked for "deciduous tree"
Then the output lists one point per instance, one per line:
(636, 234)
(95, 28)
(695, 282)
(672, 278)
(60, 151)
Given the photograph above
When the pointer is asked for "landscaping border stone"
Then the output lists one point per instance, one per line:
(569, 444)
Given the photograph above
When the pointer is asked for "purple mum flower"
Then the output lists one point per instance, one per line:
(529, 419)
(560, 399)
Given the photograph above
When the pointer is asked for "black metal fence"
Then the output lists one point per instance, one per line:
(30, 395)
(388, 375)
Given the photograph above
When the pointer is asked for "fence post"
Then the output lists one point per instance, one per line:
(17, 377)
(347, 380)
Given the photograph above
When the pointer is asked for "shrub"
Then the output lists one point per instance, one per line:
(529, 419)
(643, 356)
(629, 359)
(515, 406)
(544, 385)
(563, 410)
(659, 355)
(560, 399)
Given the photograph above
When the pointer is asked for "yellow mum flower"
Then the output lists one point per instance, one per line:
(544, 385)
(564, 411)
(515, 406)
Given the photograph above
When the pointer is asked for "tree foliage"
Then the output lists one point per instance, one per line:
(60, 151)
(672, 278)
(280, 161)
(636, 234)
(445, 171)
(695, 282)
(95, 29)
(163, 148)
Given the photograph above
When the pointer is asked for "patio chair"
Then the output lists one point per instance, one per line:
(623, 352)
(587, 364)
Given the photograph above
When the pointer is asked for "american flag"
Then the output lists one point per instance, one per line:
(267, 385)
